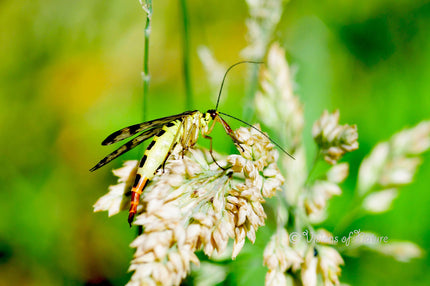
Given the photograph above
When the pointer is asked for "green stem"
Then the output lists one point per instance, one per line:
(248, 107)
(147, 6)
(313, 167)
(186, 56)
(145, 74)
(355, 212)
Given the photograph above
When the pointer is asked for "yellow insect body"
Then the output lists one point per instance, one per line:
(167, 132)
(185, 132)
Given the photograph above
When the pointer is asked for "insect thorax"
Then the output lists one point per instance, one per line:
(193, 124)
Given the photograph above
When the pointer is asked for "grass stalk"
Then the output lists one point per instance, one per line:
(186, 55)
(248, 107)
(147, 6)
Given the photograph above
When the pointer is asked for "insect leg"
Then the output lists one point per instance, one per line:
(229, 131)
(190, 132)
(210, 151)
(167, 157)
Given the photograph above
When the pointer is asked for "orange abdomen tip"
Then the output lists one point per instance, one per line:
(139, 184)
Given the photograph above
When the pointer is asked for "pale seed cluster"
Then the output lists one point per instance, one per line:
(393, 163)
(279, 108)
(279, 256)
(402, 251)
(264, 15)
(276, 103)
(319, 193)
(320, 259)
(334, 140)
(324, 260)
(116, 199)
(196, 205)
(306, 258)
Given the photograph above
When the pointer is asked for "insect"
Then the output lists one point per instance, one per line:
(167, 132)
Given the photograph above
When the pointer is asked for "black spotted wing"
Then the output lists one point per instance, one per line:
(134, 129)
(149, 128)
(127, 147)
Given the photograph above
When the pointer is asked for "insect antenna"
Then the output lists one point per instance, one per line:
(225, 75)
(246, 123)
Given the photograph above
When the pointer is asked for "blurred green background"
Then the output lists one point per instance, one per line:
(70, 75)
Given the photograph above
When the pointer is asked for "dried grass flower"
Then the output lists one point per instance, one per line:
(393, 164)
(117, 199)
(276, 103)
(264, 16)
(329, 261)
(402, 251)
(380, 201)
(309, 268)
(324, 261)
(193, 204)
(334, 140)
(279, 256)
(316, 196)
(279, 108)
(316, 199)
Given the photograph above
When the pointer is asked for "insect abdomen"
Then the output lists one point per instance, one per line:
(155, 155)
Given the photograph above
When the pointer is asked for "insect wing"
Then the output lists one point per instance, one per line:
(127, 147)
(134, 129)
